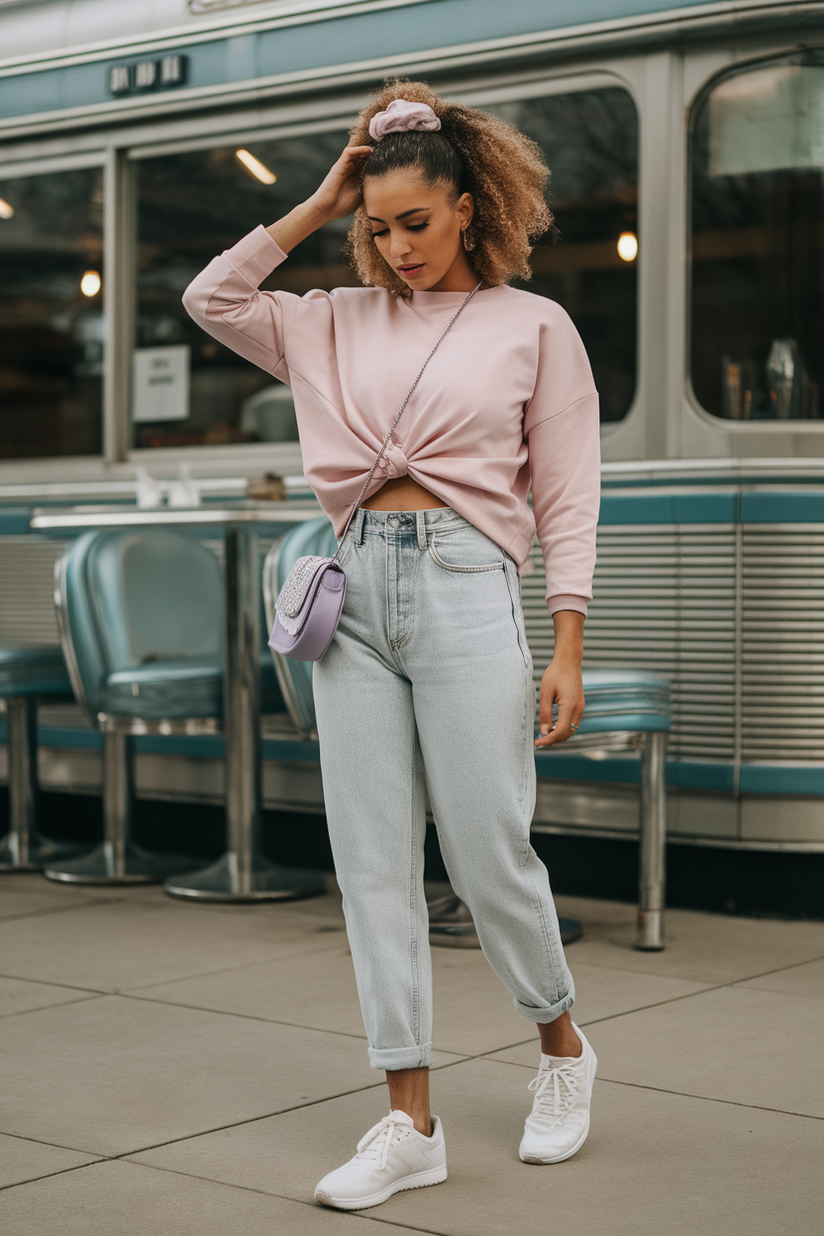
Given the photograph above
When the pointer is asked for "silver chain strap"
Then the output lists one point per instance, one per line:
(388, 437)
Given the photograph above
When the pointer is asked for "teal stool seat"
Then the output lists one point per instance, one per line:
(26, 676)
(180, 688)
(191, 687)
(635, 701)
(34, 671)
(625, 700)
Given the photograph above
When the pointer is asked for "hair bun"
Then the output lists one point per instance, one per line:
(401, 116)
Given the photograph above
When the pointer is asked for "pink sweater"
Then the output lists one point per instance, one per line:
(507, 399)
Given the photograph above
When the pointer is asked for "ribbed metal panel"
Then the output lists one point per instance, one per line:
(665, 600)
(27, 590)
(782, 708)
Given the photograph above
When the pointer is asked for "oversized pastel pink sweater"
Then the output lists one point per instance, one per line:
(506, 402)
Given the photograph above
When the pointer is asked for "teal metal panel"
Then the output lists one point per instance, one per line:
(763, 779)
(706, 508)
(68, 737)
(626, 770)
(635, 509)
(336, 40)
(564, 766)
(14, 521)
(191, 745)
(782, 508)
(713, 508)
(285, 749)
(695, 775)
(657, 508)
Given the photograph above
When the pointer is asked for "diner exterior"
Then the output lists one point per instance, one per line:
(183, 1057)
(686, 185)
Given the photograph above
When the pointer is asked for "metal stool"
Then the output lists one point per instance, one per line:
(633, 702)
(140, 615)
(26, 676)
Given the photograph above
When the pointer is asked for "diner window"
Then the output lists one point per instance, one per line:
(758, 242)
(51, 314)
(188, 389)
(590, 141)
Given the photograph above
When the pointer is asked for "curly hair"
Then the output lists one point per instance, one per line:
(475, 152)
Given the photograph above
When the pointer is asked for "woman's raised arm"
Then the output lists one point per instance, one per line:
(225, 300)
(337, 196)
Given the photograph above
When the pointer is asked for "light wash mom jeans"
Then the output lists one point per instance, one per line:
(430, 666)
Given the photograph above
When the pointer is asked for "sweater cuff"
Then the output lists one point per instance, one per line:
(256, 255)
(565, 601)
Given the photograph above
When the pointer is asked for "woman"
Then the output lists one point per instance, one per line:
(430, 665)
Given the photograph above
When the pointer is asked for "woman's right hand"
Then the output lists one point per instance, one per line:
(339, 194)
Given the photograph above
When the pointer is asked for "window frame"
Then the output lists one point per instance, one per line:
(736, 68)
(47, 165)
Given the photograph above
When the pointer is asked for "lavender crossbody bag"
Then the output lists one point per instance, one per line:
(309, 604)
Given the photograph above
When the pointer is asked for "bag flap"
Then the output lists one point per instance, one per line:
(292, 595)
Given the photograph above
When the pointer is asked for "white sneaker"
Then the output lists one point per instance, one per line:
(559, 1121)
(391, 1157)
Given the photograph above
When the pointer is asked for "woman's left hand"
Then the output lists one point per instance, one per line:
(561, 683)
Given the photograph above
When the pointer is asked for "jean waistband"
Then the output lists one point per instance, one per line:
(404, 523)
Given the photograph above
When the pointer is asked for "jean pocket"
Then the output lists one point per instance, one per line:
(466, 551)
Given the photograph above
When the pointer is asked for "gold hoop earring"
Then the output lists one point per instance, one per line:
(468, 242)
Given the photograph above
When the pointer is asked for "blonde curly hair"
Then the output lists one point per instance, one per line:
(473, 152)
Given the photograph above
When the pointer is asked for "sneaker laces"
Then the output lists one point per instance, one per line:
(375, 1144)
(556, 1092)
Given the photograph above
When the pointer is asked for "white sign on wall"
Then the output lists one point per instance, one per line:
(160, 387)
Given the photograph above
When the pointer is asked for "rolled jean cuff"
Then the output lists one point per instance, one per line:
(393, 1058)
(542, 1016)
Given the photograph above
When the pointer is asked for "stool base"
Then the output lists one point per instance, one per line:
(42, 852)
(265, 882)
(136, 866)
(650, 931)
(451, 925)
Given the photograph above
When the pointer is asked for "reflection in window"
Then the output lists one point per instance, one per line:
(590, 141)
(51, 314)
(191, 207)
(758, 243)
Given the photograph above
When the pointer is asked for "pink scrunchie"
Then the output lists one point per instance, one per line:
(400, 116)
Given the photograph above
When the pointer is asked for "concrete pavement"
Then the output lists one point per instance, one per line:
(179, 1069)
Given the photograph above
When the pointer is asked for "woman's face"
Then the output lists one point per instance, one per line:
(417, 230)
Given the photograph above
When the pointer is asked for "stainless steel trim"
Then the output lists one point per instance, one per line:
(118, 799)
(119, 300)
(289, 512)
(241, 705)
(652, 844)
(715, 843)
(192, 726)
(595, 39)
(21, 716)
(65, 633)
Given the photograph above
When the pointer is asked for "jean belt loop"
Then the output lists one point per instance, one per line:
(359, 522)
(420, 524)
